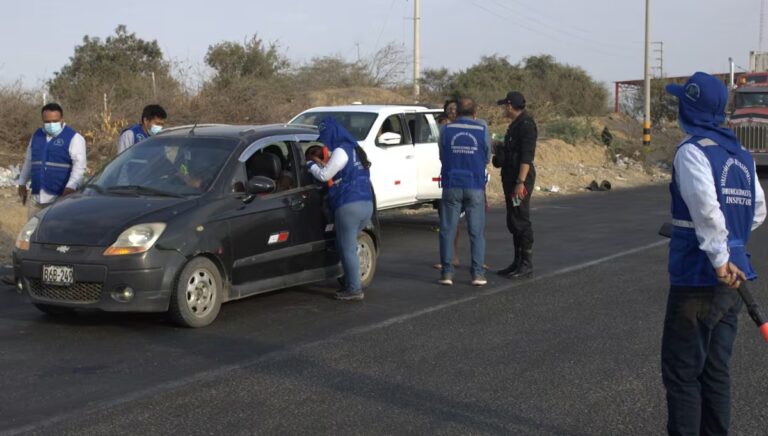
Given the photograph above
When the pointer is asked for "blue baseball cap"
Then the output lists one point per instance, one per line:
(702, 92)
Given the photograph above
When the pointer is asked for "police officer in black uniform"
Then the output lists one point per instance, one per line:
(515, 158)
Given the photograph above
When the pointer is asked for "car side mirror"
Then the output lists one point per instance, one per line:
(260, 185)
(390, 138)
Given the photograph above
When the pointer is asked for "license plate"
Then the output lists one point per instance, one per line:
(58, 275)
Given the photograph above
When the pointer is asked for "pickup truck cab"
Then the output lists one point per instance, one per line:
(401, 143)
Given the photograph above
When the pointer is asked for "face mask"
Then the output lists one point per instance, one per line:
(52, 129)
(155, 129)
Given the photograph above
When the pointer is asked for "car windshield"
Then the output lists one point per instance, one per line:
(165, 166)
(751, 99)
(357, 123)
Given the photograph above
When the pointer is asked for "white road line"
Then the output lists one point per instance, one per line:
(98, 406)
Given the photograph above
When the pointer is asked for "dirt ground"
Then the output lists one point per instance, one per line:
(12, 218)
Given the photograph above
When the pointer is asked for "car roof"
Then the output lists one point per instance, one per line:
(247, 133)
(369, 108)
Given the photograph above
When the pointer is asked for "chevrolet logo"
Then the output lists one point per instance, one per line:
(63, 249)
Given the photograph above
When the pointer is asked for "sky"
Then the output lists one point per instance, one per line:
(604, 37)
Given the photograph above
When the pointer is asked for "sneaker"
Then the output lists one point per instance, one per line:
(479, 281)
(349, 295)
(446, 280)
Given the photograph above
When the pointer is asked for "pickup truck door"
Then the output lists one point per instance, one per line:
(424, 132)
(393, 167)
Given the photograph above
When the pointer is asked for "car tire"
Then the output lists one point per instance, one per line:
(367, 255)
(196, 298)
(56, 311)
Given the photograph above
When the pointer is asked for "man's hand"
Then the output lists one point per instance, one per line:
(23, 194)
(730, 275)
(67, 191)
(520, 191)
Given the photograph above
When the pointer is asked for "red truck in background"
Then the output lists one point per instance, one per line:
(749, 117)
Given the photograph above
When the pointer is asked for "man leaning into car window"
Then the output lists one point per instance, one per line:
(54, 163)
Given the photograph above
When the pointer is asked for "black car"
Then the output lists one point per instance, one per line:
(184, 221)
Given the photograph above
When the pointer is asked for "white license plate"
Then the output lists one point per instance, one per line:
(58, 275)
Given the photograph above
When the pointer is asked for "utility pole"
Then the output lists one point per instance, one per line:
(357, 44)
(762, 23)
(416, 20)
(660, 59)
(154, 86)
(647, 118)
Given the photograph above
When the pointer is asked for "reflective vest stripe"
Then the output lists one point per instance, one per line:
(464, 126)
(683, 223)
(58, 165)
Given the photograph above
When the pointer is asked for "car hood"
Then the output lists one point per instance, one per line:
(97, 220)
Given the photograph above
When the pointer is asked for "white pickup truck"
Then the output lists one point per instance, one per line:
(401, 143)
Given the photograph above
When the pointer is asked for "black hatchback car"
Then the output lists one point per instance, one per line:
(185, 221)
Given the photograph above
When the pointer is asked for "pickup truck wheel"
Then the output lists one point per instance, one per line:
(196, 299)
(366, 253)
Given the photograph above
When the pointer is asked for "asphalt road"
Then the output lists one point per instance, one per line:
(573, 351)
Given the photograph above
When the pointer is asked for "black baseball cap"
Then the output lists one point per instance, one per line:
(514, 98)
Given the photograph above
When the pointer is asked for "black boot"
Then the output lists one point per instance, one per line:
(513, 266)
(525, 269)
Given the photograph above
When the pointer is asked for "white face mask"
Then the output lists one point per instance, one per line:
(155, 129)
(52, 129)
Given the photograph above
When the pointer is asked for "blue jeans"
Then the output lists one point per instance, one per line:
(350, 219)
(472, 201)
(699, 331)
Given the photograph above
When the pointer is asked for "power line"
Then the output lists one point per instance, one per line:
(562, 30)
(508, 19)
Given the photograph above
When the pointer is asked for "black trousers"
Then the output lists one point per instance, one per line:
(699, 331)
(519, 217)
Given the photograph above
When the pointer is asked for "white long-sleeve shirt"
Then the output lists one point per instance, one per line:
(336, 163)
(125, 141)
(76, 153)
(693, 175)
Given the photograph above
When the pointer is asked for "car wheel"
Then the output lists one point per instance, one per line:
(54, 310)
(366, 254)
(196, 300)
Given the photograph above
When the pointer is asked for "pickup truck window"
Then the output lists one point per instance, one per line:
(422, 131)
(393, 124)
(357, 123)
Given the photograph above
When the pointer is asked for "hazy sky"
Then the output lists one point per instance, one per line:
(602, 36)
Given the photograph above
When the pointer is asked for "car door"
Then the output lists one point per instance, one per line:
(393, 169)
(270, 234)
(312, 220)
(424, 131)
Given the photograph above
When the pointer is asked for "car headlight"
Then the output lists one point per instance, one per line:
(136, 239)
(25, 235)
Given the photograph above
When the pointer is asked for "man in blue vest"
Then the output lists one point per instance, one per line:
(464, 154)
(716, 203)
(55, 161)
(152, 121)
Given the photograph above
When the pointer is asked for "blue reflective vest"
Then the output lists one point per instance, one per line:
(734, 178)
(138, 132)
(463, 154)
(51, 164)
(352, 183)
